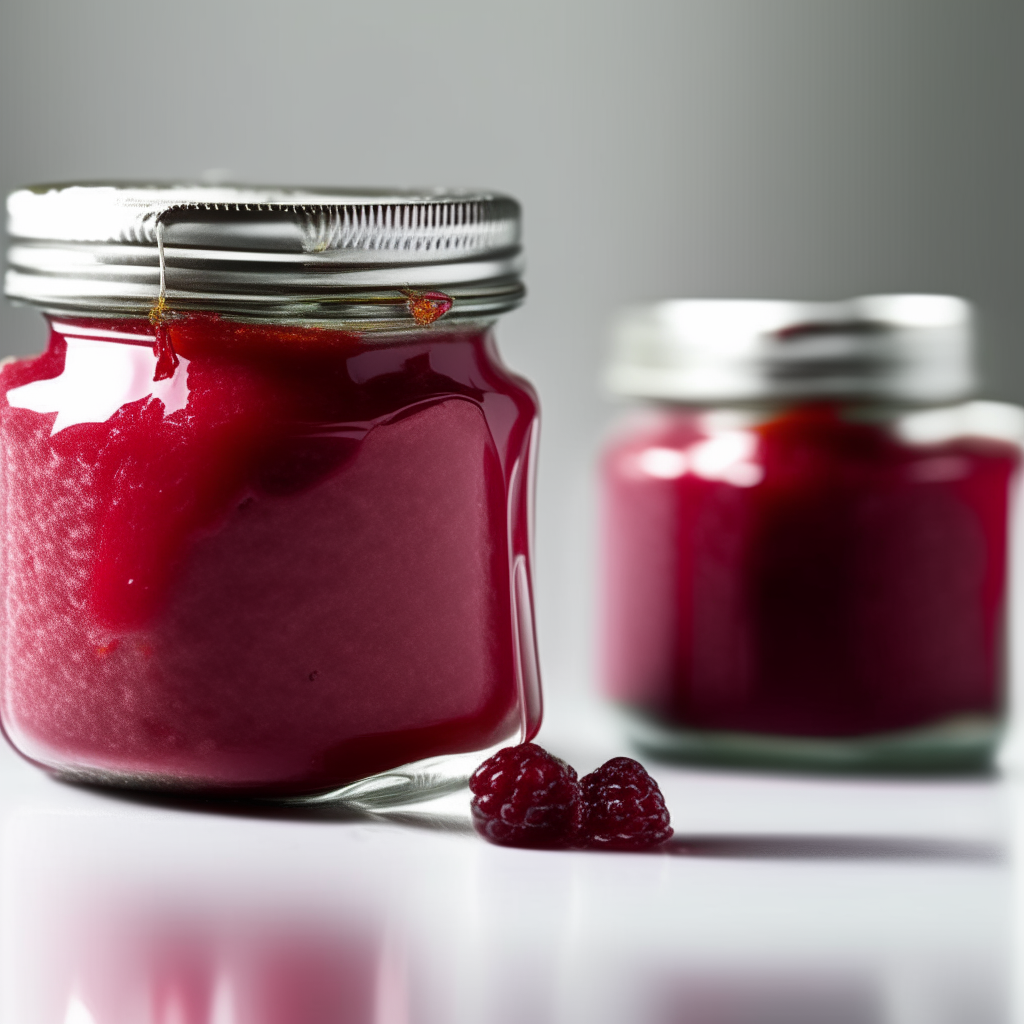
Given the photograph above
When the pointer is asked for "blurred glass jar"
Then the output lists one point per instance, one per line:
(266, 494)
(805, 535)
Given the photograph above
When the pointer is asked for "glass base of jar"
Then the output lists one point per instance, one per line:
(965, 744)
(407, 784)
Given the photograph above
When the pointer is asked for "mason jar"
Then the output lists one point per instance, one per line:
(806, 536)
(266, 495)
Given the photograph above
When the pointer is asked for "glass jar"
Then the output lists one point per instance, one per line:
(266, 495)
(805, 535)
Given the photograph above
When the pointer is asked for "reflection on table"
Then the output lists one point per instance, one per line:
(781, 901)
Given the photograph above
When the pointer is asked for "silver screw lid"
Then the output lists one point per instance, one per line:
(914, 348)
(352, 255)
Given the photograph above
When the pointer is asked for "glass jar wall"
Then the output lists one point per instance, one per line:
(812, 570)
(282, 555)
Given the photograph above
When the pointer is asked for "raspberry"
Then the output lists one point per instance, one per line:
(623, 807)
(523, 796)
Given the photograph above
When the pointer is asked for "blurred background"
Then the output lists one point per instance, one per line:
(808, 149)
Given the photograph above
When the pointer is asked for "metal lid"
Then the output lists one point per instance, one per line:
(313, 254)
(916, 348)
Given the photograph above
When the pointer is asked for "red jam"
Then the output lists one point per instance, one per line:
(297, 561)
(812, 576)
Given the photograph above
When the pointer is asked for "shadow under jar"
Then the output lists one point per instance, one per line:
(266, 495)
(806, 535)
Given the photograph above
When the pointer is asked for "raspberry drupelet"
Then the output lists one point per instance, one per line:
(524, 796)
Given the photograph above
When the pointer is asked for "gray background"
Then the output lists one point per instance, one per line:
(755, 148)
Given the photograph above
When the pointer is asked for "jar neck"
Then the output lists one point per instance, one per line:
(848, 406)
(239, 331)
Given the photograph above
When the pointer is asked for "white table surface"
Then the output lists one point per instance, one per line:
(782, 900)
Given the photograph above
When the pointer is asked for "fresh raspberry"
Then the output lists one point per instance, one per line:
(523, 796)
(623, 809)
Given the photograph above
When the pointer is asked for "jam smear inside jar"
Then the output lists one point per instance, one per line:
(819, 582)
(295, 561)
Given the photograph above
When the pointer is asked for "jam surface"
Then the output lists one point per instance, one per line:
(290, 565)
(809, 575)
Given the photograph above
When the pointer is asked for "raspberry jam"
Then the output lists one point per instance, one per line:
(819, 581)
(298, 561)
